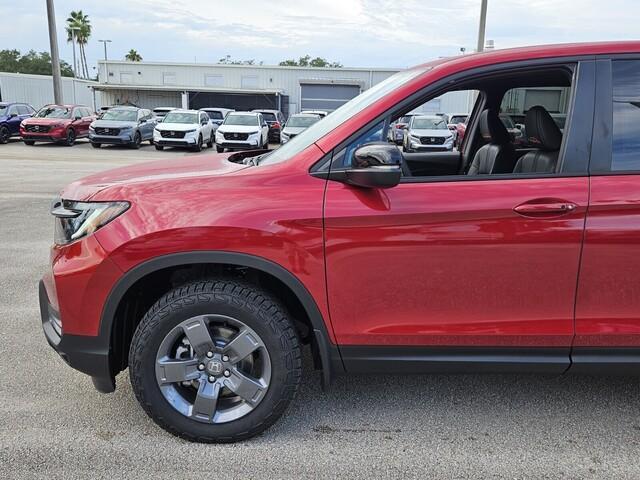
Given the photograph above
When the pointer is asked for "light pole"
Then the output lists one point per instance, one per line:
(55, 57)
(483, 25)
(106, 66)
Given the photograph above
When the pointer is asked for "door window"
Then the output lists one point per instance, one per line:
(626, 115)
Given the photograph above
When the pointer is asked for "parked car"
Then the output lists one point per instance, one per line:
(161, 112)
(217, 115)
(320, 113)
(457, 123)
(184, 128)
(123, 126)
(297, 124)
(396, 129)
(242, 131)
(275, 120)
(11, 115)
(206, 278)
(57, 123)
(427, 133)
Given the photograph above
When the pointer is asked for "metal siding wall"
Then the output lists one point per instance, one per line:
(37, 90)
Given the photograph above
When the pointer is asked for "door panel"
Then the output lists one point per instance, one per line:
(452, 263)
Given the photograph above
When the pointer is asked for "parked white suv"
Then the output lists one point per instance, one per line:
(184, 128)
(242, 131)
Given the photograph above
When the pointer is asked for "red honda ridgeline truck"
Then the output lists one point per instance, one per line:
(206, 276)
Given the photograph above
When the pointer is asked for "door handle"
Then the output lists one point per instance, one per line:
(545, 208)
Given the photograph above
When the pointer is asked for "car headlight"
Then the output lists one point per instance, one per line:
(414, 137)
(91, 128)
(22, 125)
(75, 220)
(190, 131)
(254, 133)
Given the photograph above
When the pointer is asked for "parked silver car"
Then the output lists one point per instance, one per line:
(122, 126)
(296, 124)
(427, 133)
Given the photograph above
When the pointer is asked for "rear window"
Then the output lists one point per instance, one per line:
(214, 114)
(626, 115)
(459, 119)
(269, 117)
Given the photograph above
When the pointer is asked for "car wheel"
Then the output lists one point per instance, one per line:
(137, 140)
(29, 142)
(215, 361)
(210, 142)
(151, 141)
(159, 147)
(4, 135)
(198, 146)
(219, 149)
(71, 137)
(96, 145)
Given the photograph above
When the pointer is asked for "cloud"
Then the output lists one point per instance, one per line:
(386, 33)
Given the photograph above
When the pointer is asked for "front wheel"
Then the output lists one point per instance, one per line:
(198, 146)
(4, 135)
(210, 142)
(219, 149)
(71, 137)
(137, 140)
(215, 361)
(159, 147)
(29, 142)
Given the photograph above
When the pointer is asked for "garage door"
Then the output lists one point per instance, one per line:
(549, 99)
(317, 96)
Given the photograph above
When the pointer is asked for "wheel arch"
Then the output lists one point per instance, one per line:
(325, 352)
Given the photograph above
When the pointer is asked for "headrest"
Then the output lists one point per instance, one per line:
(492, 129)
(541, 130)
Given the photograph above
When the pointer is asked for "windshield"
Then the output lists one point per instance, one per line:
(341, 115)
(302, 121)
(458, 119)
(181, 117)
(123, 115)
(427, 123)
(243, 120)
(269, 117)
(54, 112)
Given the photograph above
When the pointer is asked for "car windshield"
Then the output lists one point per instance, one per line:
(181, 117)
(507, 122)
(54, 112)
(458, 119)
(214, 114)
(302, 121)
(269, 117)
(243, 120)
(428, 123)
(319, 129)
(122, 115)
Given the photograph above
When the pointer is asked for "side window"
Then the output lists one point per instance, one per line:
(517, 101)
(13, 110)
(345, 156)
(626, 115)
(23, 110)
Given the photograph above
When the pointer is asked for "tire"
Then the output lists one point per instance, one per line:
(219, 149)
(5, 134)
(159, 147)
(205, 303)
(71, 137)
(29, 142)
(198, 146)
(96, 145)
(210, 142)
(137, 140)
(151, 141)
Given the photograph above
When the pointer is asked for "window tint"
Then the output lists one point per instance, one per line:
(626, 115)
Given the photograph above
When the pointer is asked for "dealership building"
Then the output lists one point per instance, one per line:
(242, 87)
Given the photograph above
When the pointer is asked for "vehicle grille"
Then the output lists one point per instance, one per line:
(432, 140)
(37, 128)
(235, 136)
(107, 131)
(171, 134)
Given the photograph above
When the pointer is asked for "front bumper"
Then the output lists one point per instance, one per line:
(239, 145)
(51, 136)
(111, 139)
(86, 354)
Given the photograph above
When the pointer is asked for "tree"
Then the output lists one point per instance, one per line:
(133, 56)
(307, 61)
(227, 60)
(78, 24)
(31, 62)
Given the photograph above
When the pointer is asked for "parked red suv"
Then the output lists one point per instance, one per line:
(205, 277)
(57, 123)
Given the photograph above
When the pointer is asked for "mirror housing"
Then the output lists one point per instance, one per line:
(374, 165)
(13, 115)
(78, 117)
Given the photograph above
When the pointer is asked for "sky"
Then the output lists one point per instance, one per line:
(356, 33)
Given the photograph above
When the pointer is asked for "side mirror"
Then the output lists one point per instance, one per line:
(159, 120)
(142, 120)
(374, 165)
(78, 117)
(12, 115)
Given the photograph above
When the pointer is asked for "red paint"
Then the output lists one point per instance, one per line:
(448, 263)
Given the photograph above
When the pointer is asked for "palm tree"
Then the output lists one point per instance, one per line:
(133, 56)
(78, 24)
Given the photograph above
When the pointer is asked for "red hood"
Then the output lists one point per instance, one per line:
(183, 169)
(45, 121)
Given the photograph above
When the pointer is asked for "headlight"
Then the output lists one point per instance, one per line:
(75, 220)
(254, 133)
(190, 131)
(91, 128)
(22, 124)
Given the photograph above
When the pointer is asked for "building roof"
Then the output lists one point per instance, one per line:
(183, 88)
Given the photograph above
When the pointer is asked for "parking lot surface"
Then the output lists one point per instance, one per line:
(53, 424)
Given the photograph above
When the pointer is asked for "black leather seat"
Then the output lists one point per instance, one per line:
(497, 156)
(545, 134)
